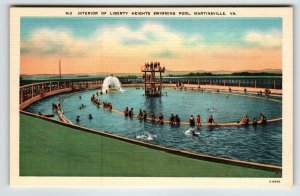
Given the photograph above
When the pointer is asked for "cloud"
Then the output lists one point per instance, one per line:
(147, 34)
(53, 41)
(164, 54)
(271, 39)
(149, 38)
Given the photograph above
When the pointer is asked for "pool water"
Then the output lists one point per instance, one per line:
(45, 105)
(262, 144)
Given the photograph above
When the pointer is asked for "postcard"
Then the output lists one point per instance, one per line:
(151, 96)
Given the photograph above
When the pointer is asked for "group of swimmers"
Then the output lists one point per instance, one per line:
(153, 90)
(197, 122)
(245, 120)
(90, 117)
(153, 66)
(180, 86)
(82, 106)
(128, 112)
(95, 100)
(174, 119)
(142, 115)
(106, 105)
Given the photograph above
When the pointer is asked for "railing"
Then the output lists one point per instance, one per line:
(33, 92)
(253, 82)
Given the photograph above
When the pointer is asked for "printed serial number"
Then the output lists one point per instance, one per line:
(274, 181)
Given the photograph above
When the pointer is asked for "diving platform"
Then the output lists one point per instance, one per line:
(152, 78)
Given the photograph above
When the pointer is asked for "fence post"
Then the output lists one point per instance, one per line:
(31, 91)
(21, 96)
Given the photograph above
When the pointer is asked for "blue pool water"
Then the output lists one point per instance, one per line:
(45, 105)
(261, 144)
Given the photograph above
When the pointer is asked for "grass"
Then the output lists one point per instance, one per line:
(50, 149)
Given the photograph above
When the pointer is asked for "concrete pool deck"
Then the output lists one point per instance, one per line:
(52, 149)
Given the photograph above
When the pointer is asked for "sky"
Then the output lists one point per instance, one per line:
(89, 45)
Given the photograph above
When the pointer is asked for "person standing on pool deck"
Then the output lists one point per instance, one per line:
(198, 120)
(192, 120)
(211, 120)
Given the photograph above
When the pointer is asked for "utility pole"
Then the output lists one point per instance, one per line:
(59, 70)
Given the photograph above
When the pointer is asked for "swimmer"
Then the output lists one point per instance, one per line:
(90, 117)
(146, 137)
(192, 120)
(198, 120)
(152, 116)
(130, 114)
(140, 116)
(211, 120)
(78, 119)
(54, 106)
(211, 110)
(254, 122)
(192, 132)
(171, 119)
(160, 118)
(126, 112)
(144, 115)
(244, 120)
(177, 120)
(263, 118)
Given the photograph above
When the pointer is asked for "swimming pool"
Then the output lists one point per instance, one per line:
(261, 144)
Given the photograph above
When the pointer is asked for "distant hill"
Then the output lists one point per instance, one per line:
(266, 72)
(225, 72)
